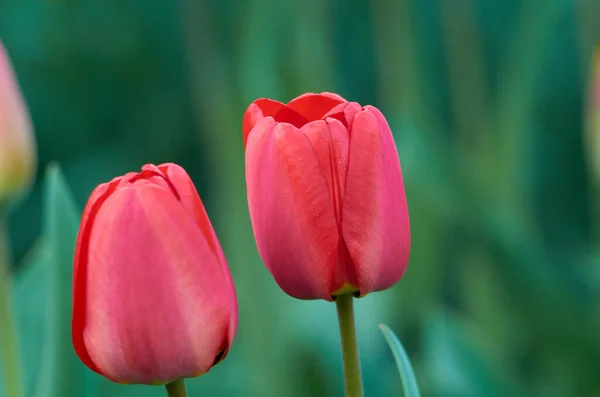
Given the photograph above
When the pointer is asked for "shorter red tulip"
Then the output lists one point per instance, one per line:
(153, 299)
(326, 196)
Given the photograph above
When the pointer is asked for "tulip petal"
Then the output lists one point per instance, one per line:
(189, 198)
(258, 110)
(331, 151)
(252, 116)
(344, 112)
(330, 142)
(375, 221)
(96, 199)
(292, 215)
(326, 94)
(290, 116)
(147, 292)
(314, 106)
(265, 107)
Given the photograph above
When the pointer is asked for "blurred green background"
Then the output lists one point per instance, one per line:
(487, 102)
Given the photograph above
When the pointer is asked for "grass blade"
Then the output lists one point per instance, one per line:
(409, 382)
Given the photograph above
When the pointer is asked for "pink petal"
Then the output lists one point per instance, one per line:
(327, 94)
(344, 112)
(330, 142)
(97, 198)
(13, 112)
(331, 151)
(291, 211)
(252, 116)
(596, 82)
(264, 107)
(189, 198)
(333, 96)
(314, 106)
(290, 116)
(375, 220)
(158, 305)
(259, 109)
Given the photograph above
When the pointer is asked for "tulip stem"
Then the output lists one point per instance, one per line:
(176, 389)
(9, 353)
(352, 373)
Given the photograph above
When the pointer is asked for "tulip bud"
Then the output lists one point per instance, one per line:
(17, 151)
(326, 196)
(593, 121)
(153, 299)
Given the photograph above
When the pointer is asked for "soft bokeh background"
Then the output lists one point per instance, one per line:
(487, 103)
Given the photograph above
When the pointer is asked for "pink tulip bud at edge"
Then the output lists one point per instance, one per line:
(17, 148)
(593, 118)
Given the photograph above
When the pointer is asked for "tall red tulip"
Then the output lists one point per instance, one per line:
(153, 299)
(326, 196)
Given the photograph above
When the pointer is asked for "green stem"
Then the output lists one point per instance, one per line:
(9, 353)
(176, 389)
(352, 375)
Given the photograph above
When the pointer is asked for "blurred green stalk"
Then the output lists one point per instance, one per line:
(8, 337)
(176, 389)
(352, 375)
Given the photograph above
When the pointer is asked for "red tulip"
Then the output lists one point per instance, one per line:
(153, 299)
(326, 196)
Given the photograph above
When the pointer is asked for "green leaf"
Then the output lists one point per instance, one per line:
(62, 373)
(409, 382)
(30, 291)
